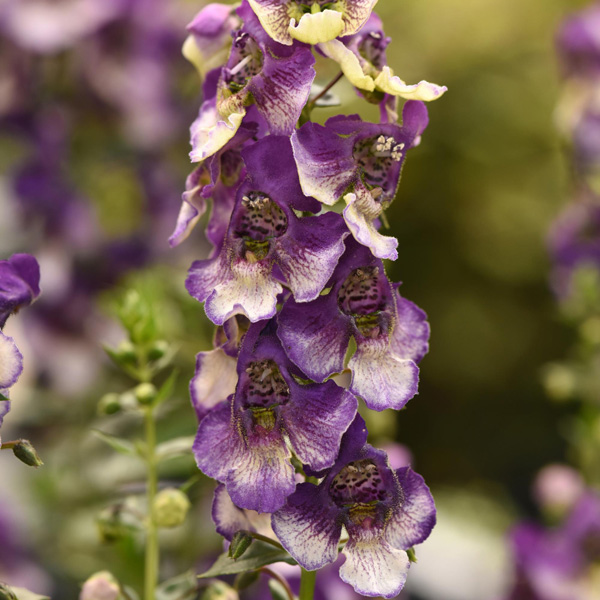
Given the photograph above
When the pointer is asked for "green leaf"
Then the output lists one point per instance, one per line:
(278, 592)
(3, 398)
(166, 389)
(178, 447)
(177, 587)
(259, 555)
(116, 443)
(23, 594)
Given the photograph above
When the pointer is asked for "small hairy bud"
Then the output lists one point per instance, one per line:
(239, 544)
(170, 507)
(109, 404)
(100, 586)
(220, 591)
(26, 453)
(145, 393)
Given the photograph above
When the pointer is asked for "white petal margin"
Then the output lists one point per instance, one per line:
(250, 291)
(364, 231)
(215, 379)
(389, 83)
(192, 209)
(229, 518)
(210, 131)
(11, 362)
(314, 28)
(349, 64)
(373, 567)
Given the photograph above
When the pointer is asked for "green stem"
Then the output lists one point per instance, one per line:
(307, 585)
(152, 556)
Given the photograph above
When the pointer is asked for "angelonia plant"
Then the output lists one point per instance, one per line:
(307, 322)
(559, 558)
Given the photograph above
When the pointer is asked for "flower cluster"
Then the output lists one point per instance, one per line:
(297, 287)
(19, 287)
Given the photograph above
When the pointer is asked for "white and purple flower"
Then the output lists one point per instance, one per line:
(275, 78)
(391, 333)
(360, 162)
(266, 243)
(384, 513)
(246, 441)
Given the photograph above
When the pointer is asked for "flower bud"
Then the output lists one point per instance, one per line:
(170, 507)
(110, 525)
(158, 350)
(26, 453)
(109, 404)
(6, 593)
(126, 352)
(220, 591)
(100, 586)
(239, 544)
(145, 393)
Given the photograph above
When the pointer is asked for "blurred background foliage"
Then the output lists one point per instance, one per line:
(475, 204)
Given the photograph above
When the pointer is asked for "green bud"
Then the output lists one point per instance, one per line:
(6, 593)
(158, 350)
(170, 507)
(100, 586)
(145, 393)
(220, 591)
(411, 555)
(126, 352)
(26, 453)
(109, 404)
(239, 544)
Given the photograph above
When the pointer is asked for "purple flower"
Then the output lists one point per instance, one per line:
(19, 284)
(210, 35)
(391, 333)
(321, 21)
(266, 242)
(276, 78)
(384, 512)
(360, 162)
(216, 374)
(363, 60)
(230, 518)
(578, 42)
(246, 441)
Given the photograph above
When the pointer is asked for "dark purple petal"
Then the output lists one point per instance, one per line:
(308, 527)
(412, 521)
(192, 208)
(381, 378)
(230, 519)
(409, 337)
(19, 284)
(315, 335)
(316, 420)
(414, 119)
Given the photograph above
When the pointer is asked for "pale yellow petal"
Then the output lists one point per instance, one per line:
(318, 27)
(349, 64)
(389, 83)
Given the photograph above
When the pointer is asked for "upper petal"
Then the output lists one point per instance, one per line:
(11, 362)
(412, 521)
(273, 16)
(308, 527)
(314, 28)
(316, 421)
(356, 14)
(19, 284)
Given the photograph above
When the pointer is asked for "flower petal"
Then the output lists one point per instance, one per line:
(230, 519)
(373, 567)
(389, 83)
(410, 335)
(192, 208)
(316, 421)
(273, 16)
(308, 255)
(211, 130)
(11, 362)
(19, 284)
(214, 381)
(381, 378)
(412, 521)
(315, 336)
(356, 14)
(308, 528)
(325, 163)
(314, 28)
(349, 64)
(364, 231)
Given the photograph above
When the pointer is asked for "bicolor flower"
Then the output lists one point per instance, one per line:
(216, 178)
(384, 513)
(247, 441)
(267, 243)
(276, 78)
(390, 332)
(230, 518)
(360, 162)
(363, 61)
(311, 23)
(209, 40)
(216, 375)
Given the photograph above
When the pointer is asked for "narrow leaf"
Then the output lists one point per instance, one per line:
(119, 444)
(178, 447)
(23, 594)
